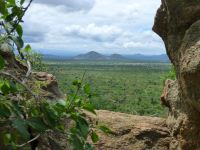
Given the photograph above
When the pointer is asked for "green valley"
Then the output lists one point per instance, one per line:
(122, 86)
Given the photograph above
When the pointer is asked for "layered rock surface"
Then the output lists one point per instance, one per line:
(178, 24)
(131, 132)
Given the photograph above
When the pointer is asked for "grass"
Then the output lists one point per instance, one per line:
(124, 86)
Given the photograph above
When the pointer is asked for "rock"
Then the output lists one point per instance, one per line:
(50, 87)
(178, 24)
(6, 52)
(163, 98)
(41, 83)
(131, 132)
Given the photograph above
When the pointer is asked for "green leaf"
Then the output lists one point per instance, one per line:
(50, 115)
(61, 127)
(3, 9)
(17, 11)
(73, 130)
(37, 124)
(87, 89)
(13, 87)
(94, 137)
(19, 30)
(76, 142)
(105, 129)
(22, 2)
(2, 62)
(21, 126)
(77, 83)
(7, 138)
(60, 107)
(5, 88)
(83, 127)
(89, 107)
(5, 110)
(18, 41)
(10, 17)
(27, 49)
(89, 146)
(16, 109)
(12, 2)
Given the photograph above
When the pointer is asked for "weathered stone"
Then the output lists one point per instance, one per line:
(178, 24)
(50, 87)
(131, 132)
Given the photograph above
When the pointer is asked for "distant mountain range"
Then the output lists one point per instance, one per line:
(92, 55)
(156, 58)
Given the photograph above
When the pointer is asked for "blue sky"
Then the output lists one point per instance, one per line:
(106, 26)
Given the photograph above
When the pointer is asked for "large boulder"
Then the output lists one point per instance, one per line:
(178, 24)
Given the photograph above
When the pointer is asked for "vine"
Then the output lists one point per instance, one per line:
(26, 119)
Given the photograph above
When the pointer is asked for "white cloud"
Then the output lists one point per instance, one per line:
(102, 33)
(144, 45)
(108, 26)
(69, 5)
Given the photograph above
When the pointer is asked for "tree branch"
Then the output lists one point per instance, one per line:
(6, 74)
(35, 138)
(20, 19)
(28, 72)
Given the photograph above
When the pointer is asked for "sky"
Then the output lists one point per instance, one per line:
(105, 26)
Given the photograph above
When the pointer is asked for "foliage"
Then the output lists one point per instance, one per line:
(122, 86)
(12, 13)
(169, 75)
(24, 115)
(41, 116)
(35, 58)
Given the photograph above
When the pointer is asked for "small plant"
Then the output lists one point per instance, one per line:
(35, 58)
(24, 115)
(28, 117)
(170, 75)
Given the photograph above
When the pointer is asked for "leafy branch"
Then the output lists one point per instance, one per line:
(31, 116)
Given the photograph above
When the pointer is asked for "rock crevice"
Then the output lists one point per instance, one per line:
(178, 24)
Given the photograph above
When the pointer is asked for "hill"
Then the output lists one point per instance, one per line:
(140, 57)
(116, 57)
(92, 55)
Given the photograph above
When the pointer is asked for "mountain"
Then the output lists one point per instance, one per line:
(154, 58)
(54, 57)
(92, 55)
(116, 57)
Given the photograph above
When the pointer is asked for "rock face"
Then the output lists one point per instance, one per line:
(178, 24)
(131, 132)
(50, 88)
(40, 82)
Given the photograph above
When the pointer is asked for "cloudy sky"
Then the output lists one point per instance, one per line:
(106, 26)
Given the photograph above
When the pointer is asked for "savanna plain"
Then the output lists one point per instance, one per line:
(121, 86)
